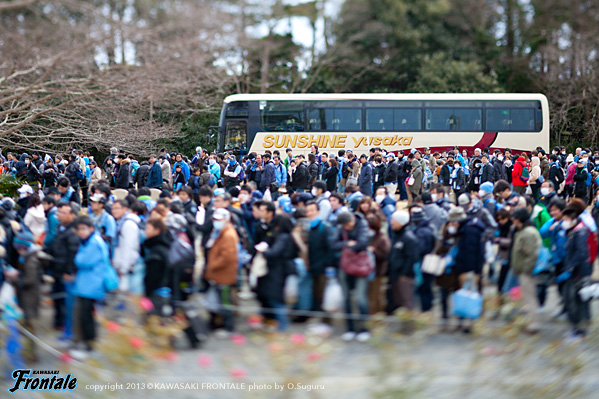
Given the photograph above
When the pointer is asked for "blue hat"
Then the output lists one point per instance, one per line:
(487, 187)
(23, 240)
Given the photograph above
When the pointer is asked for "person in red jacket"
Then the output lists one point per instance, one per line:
(517, 181)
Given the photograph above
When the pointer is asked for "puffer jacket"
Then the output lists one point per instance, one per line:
(404, 253)
(577, 252)
(517, 172)
(122, 176)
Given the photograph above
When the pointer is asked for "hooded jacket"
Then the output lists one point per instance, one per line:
(155, 176)
(221, 267)
(122, 176)
(519, 165)
(525, 249)
(35, 220)
(156, 259)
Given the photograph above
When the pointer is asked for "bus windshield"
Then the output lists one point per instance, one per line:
(235, 135)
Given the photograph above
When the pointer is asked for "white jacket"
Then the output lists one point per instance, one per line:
(35, 220)
(127, 249)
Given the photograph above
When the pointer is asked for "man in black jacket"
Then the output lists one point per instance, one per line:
(300, 177)
(404, 254)
(141, 176)
(487, 172)
(402, 173)
(63, 250)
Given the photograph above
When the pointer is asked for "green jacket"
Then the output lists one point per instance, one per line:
(525, 250)
(540, 216)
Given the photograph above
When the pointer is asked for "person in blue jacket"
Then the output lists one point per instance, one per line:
(91, 261)
(155, 173)
(184, 167)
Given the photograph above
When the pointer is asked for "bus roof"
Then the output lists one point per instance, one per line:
(392, 96)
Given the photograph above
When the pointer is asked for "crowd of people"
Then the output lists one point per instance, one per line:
(216, 222)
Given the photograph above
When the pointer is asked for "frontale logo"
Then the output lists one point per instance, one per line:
(31, 380)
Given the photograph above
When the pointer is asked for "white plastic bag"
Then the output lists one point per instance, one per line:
(267, 195)
(291, 289)
(332, 300)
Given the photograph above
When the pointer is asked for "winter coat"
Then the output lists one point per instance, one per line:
(445, 175)
(330, 177)
(49, 175)
(471, 250)
(535, 170)
(35, 220)
(122, 176)
(392, 172)
(268, 176)
(279, 259)
(165, 168)
(571, 171)
(63, 250)
(378, 179)
(28, 283)
(525, 249)
(359, 234)
(184, 169)
(71, 173)
(580, 182)
(127, 245)
(313, 170)
(52, 224)
(141, 175)
(155, 176)
(544, 168)
(498, 170)
(381, 245)
(365, 179)
(320, 256)
(221, 266)
(577, 252)
(487, 173)
(96, 176)
(92, 261)
(519, 165)
(404, 253)
(301, 177)
(436, 216)
(417, 172)
(156, 260)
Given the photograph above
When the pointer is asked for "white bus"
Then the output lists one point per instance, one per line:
(260, 122)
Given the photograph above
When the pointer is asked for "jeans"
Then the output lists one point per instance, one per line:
(356, 299)
(426, 292)
(63, 307)
(403, 194)
(280, 314)
(304, 297)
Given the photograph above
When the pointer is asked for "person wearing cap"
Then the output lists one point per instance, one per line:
(25, 191)
(221, 265)
(474, 208)
(416, 176)
(525, 249)
(30, 172)
(424, 232)
(32, 261)
(104, 222)
(404, 253)
(391, 174)
(436, 215)
(49, 173)
(485, 194)
(233, 173)
(196, 160)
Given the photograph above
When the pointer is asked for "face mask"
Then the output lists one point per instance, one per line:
(566, 224)
(212, 161)
(597, 162)
(434, 197)
(218, 225)
(545, 191)
(500, 157)
(27, 161)
(314, 191)
(379, 198)
(243, 198)
(482, 193)
(452, 230)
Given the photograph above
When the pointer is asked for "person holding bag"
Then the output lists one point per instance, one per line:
(356, 266)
